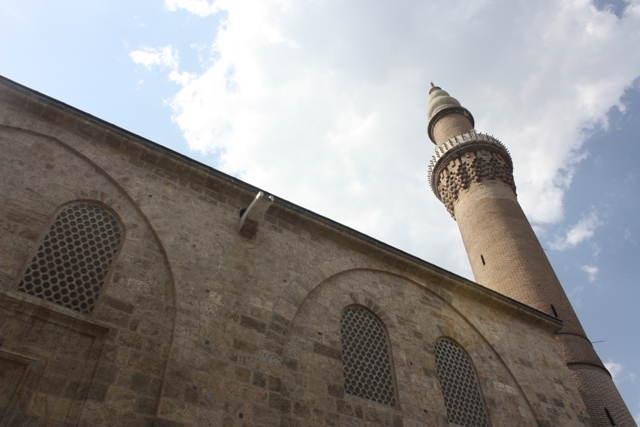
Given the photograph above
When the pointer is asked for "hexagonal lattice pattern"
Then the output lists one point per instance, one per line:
(71, 264)
(459, 386)
(365, 357)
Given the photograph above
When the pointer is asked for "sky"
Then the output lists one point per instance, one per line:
(323, 103)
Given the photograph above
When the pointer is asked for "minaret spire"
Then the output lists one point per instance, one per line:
(442, 104)
(472, 174)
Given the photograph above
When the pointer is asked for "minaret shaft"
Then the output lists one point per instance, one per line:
(456, 124)
(505, 253)
(472, 174)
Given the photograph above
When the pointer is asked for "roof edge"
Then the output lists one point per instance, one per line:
(542, 319)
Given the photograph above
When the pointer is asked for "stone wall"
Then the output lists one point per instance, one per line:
(136, 308)
(200, 326)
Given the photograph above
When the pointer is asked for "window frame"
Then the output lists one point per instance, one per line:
(478, 388)
(46, 230)
(389, 354)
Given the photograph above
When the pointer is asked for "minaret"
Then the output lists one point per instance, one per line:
(472, 175)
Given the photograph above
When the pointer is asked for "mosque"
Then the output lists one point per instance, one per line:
(139, 287)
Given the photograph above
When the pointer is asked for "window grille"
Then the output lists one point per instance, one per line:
(459, 386)
(72, 262)
(365, 357)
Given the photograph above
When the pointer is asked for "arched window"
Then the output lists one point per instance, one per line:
(74, 258)
(365, 357)
(459, 386)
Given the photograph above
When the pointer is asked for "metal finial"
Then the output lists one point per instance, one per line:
(432, 85)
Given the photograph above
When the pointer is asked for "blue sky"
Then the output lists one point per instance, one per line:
(323, 104)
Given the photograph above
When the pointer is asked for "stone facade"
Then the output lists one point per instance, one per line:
(197, 324)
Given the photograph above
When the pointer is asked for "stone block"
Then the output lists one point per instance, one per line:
(121, 398)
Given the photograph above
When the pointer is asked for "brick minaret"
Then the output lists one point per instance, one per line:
(472, 175)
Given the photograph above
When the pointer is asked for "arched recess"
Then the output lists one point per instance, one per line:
(289, 301)
(311, 340)
(138, 305)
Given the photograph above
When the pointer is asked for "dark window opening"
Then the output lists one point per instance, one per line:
(609, 416)
(482, 258)
(366, 366)
(74, 259)
(459, 386)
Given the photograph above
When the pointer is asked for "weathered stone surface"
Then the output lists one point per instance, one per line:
(197, 325)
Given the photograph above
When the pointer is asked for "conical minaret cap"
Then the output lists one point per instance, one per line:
(440, 104)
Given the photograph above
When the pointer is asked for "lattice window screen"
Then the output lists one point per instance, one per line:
(459, 386)
(72, 263)
(365, 357)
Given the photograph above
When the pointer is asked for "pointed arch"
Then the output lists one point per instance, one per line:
(459, 385)
(366, 362)
(75, 256)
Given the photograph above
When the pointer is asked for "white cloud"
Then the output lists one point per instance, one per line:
(181, 78)
(591, 271)
(197, 7)
(574, 294)
(616, 370)
(323, 103)
(150, 57)
(628, 237)
(583, 230)
(165, 57)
